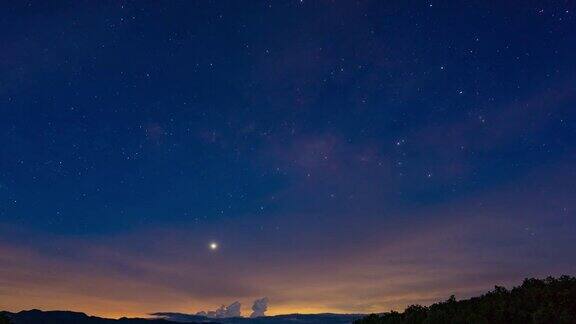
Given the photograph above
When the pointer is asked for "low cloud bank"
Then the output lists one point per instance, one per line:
(232, 310)
(259, 309)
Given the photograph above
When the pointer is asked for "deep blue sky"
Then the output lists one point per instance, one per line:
(411, 149)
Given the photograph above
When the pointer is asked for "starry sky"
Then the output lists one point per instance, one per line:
(343, 156)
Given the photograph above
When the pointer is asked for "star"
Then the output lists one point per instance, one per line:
(213, 246)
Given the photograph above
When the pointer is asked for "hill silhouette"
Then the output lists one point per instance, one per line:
(64, 317)
(544, 301)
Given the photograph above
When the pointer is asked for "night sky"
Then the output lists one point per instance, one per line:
(341, 156)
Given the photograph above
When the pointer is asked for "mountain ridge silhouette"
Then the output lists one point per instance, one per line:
(36, 316)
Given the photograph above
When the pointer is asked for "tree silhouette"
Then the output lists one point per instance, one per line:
(536, 301)
(4, 319)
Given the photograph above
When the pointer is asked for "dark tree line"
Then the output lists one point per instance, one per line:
(548, 301)
(4, 319)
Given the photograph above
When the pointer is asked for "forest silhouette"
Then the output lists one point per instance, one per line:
(550, 300)
(4, 319)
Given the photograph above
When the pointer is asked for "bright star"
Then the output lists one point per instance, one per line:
(213, 246)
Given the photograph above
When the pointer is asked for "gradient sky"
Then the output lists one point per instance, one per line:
(347, 156)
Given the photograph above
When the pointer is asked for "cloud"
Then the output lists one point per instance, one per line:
(232, 310)
(260, 307)
(178, 317)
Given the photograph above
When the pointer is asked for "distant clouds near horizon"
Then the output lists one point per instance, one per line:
(259, 308)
